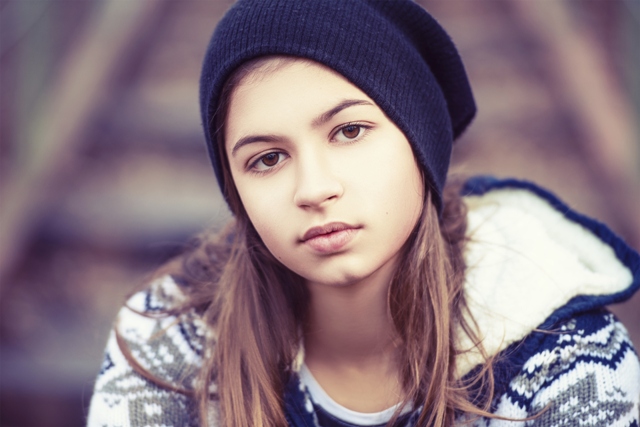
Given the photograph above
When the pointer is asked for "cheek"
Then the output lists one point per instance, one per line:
(265, 209)
(402, 201)
(389, 179)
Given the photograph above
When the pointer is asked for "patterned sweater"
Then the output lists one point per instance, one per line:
(538, 278)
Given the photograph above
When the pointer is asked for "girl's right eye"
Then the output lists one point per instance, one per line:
(268, 161)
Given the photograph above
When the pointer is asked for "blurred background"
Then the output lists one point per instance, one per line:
(104, 175)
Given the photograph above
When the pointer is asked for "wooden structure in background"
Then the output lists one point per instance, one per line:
(105, 173)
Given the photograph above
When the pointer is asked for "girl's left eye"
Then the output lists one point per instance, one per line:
(350, 132)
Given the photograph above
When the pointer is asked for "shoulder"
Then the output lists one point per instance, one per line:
(168, 347)
(533, 262)
(539, 276)
(149, 319)
(585, 370)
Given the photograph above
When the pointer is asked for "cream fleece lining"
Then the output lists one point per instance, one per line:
(525, 260)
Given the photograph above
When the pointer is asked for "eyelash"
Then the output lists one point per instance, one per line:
(363, 129)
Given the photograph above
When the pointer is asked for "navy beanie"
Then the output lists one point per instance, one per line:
(393, 50)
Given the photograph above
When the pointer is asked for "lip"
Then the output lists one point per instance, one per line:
(329, 238)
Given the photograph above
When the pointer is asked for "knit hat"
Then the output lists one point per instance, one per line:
(393, 50)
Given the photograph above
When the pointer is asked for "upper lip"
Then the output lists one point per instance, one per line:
(331, 227)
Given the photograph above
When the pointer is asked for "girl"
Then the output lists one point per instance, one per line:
(354, 288)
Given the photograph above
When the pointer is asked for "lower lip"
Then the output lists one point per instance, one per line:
(332, 242)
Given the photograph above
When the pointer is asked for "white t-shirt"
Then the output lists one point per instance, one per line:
(322, 399)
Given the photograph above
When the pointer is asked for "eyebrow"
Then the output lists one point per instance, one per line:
(325, 117)
(251, 139)
(318, 121)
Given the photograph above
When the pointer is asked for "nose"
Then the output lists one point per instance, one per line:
(317, 186)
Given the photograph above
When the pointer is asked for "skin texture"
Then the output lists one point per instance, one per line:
(308, 149)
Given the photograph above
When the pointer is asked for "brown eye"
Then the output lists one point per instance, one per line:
(351, 131)
(270, 159)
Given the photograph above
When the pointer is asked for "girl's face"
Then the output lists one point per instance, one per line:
(330, 184)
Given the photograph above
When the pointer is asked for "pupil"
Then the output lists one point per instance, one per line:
(270, 159)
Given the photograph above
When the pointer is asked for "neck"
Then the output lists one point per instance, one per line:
(349, 342)
(351, 325)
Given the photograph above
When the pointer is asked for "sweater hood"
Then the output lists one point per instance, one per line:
(532, 262)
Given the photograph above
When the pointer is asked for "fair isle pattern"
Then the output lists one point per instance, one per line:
(169, 348)
(586, 374)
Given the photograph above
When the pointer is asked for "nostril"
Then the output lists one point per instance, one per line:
(318, 196)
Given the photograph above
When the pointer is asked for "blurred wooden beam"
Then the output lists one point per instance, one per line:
(602, 112)
(75, 96)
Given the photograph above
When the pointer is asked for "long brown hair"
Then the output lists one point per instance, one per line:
(255, 305)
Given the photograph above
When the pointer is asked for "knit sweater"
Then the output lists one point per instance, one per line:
(538, 278)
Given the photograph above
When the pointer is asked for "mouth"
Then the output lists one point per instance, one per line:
(329, 238)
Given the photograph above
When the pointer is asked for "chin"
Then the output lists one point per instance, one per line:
(347, 270)
(338, 282)
(338, 278)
